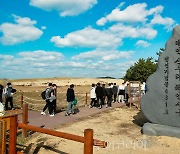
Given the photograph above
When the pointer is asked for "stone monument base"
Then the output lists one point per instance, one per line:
(160, 130)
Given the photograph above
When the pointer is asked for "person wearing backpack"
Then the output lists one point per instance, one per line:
(8, 93)
(48, 94)
(109, 92)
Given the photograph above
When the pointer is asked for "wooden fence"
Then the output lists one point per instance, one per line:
(9, 122)
(83, 101)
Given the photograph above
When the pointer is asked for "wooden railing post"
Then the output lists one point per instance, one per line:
(86, 99)
(3, 137)
(22, 100)
(88, 141)
(13, 134)
(25, 119)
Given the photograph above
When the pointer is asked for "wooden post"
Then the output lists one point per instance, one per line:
(22, 100)
(88, 141)
(86, 99)
(25, 119)
(3, 137)
(13, 134)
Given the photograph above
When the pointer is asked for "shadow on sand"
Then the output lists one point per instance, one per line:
(140, 119)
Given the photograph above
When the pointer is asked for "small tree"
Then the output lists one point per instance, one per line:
(141, 70)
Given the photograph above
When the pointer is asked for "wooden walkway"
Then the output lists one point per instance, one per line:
(45, 121)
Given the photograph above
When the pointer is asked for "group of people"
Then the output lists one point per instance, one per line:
(50, 99)
(8, 93)
(101, 95)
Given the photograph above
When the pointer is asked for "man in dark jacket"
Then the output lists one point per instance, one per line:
(99, 94)
(1, 92)
(70, 99)
(9, 92)
(109, 95)
(115, 91)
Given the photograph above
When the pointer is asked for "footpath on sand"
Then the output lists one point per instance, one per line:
(45, 121)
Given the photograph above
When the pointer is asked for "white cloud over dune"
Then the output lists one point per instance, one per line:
(64, 7)
(87, 37)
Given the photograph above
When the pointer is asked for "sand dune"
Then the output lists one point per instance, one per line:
(64, 81)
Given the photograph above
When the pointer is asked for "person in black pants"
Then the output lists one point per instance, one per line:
(93, 96)
(54, 101)
(109, 95)
(8, 92)
(1, 92)
(48, 105)
(99, 95)
(115, 91)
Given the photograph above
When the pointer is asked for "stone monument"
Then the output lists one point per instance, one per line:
(161, 103)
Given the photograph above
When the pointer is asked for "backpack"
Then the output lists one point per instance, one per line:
(46, 94)
(43, 94)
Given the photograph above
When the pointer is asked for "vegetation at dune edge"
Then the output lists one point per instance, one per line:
(142, 69)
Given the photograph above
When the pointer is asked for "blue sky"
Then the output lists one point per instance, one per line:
(82, 38)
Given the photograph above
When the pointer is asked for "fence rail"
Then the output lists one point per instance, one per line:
(10, 121)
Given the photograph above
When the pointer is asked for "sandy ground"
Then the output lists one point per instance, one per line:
(65, 81)
(120, 127)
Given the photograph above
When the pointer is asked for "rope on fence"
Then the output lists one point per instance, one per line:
(33, 99)
(32, 103)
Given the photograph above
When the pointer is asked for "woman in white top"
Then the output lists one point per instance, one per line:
(121, 93)
(93, 96)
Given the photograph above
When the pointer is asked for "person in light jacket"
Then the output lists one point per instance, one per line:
(93, 96)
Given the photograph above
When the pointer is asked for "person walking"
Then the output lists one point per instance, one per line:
(121, 93)
(104, 93)
(54, 98)
(99, 95)
(126, 89)
(48, 94)
(109, 95)
(93, 96)
(1, 93)
(115, 92)
(8, 93)
(70, 99)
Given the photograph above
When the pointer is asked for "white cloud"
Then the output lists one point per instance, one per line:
(142, 43)
(167, 22)
(23, 31)
(41, 55)
(132, 14)
(133, 32)
(87, 37)
(6, 57)
(118, 55)
(103, 55)
(64, 7)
